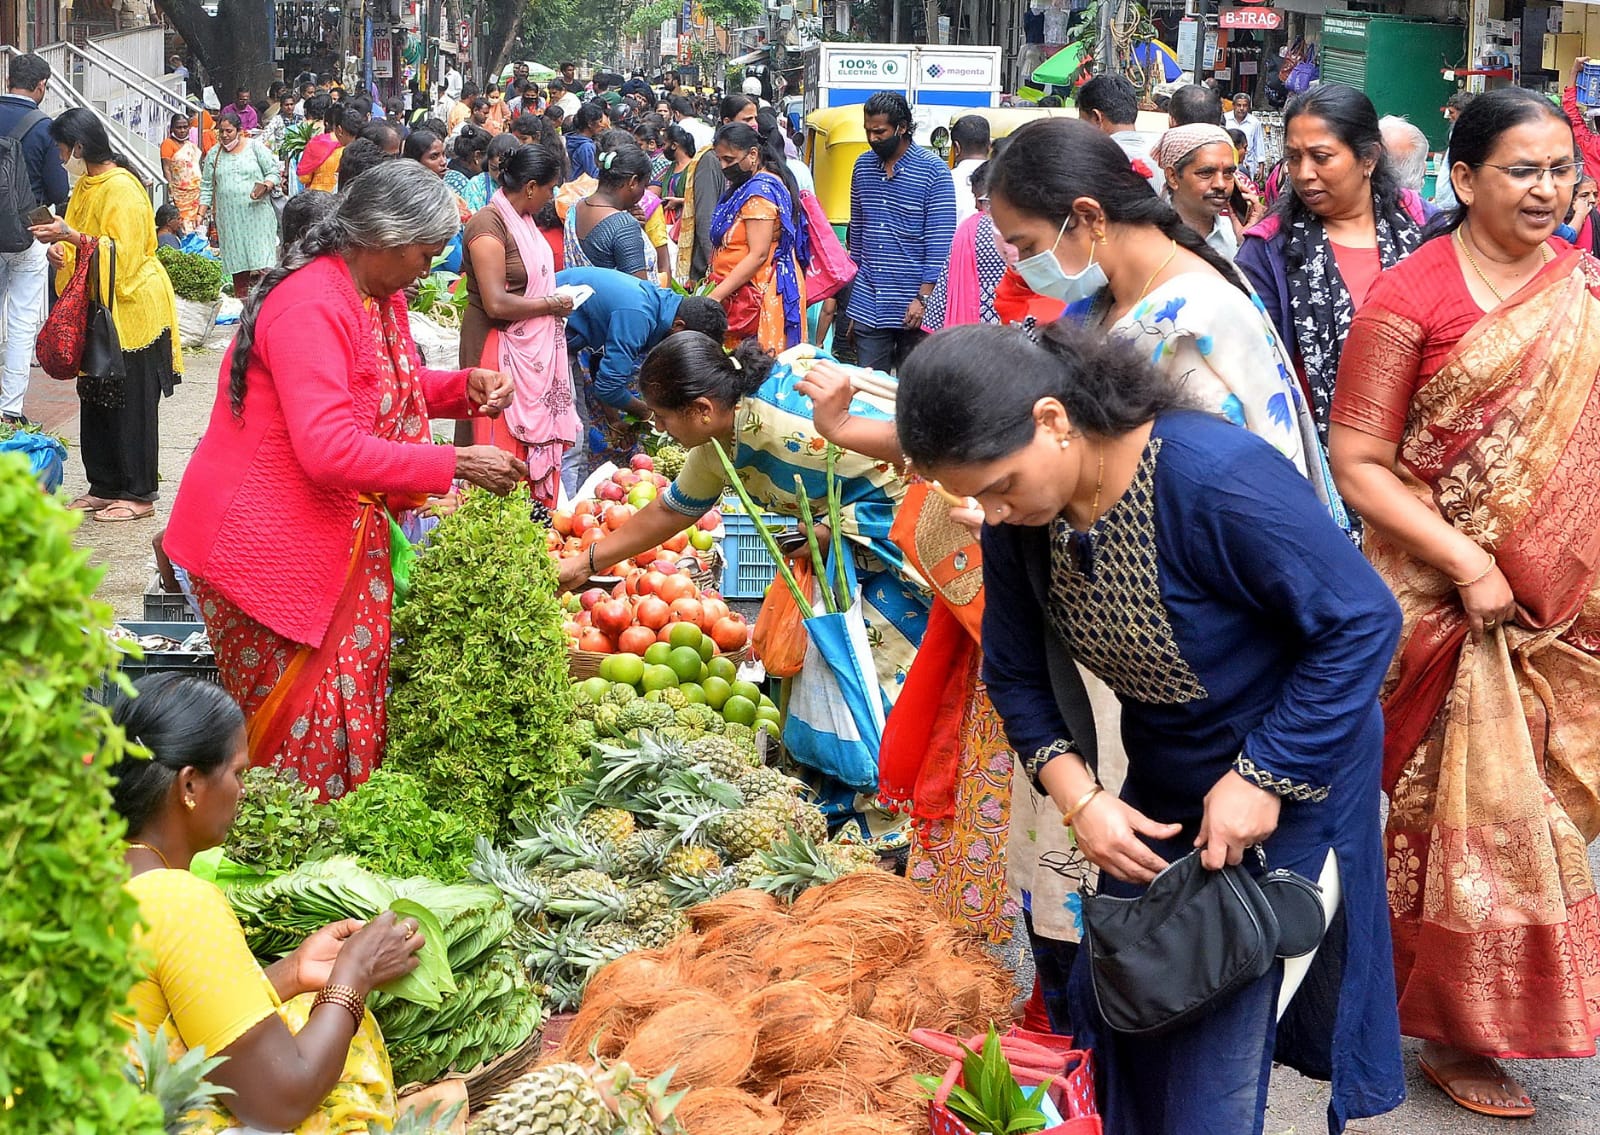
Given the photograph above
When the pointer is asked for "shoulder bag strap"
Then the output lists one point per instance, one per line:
(26, 123)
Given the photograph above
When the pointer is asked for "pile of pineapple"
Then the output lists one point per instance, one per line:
(651, 829)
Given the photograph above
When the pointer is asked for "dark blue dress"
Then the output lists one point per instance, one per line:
(1240, 629)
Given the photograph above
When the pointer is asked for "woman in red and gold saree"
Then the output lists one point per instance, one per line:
(1467, 433)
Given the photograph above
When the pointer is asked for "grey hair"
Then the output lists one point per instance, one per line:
(1410, 163)
(390, 206)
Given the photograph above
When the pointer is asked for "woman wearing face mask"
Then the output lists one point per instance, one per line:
(237, 178)
(513, 320)
(180, 161)
(118, 420)
(602, 231)
(674, 183)
(1089, 231)
(760, 235)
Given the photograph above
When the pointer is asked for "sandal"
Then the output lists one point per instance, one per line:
(1471, 1068)
(90, 503)
(123, 510)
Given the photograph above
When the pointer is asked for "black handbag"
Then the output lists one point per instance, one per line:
(1172, 954)
(103, 368)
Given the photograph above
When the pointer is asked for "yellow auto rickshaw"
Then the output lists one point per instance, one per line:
(835, 138)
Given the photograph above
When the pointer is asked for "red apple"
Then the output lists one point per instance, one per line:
(643, 461)
(709, 522)
(661, 482)
(627, 478)
(611, 491)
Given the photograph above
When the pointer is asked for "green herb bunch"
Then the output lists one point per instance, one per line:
(482, 711)
(390, 827)
(988, 1099)
(280, 824)
(194, 277)
(66, 923)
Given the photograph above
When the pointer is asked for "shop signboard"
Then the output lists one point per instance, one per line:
(1250, 19)
(382, 57)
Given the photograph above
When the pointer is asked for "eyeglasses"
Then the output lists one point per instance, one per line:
(1529, 176)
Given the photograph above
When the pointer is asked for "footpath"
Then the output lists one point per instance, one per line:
(1566, 1091)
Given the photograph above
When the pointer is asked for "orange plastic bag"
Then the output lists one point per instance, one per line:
(780, 635)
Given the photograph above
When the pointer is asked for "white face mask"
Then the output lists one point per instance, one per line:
(76, 166)
(1044, 275)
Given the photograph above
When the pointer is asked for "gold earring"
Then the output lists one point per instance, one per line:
(1100, 236)
(188, 802)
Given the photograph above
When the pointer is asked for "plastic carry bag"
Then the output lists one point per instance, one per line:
(46, 456)
(780, 639)
(831, 267)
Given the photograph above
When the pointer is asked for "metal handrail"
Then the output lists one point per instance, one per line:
(178, 103)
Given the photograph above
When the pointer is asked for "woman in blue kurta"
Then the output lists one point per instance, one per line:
(759, 409)
(1194, 570)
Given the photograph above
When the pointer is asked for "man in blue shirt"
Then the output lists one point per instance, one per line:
(902, 220)
(624, 319)
(591, 120)
(25, 273)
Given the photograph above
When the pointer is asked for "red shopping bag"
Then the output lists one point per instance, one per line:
(831, 266)
(1035, 1058)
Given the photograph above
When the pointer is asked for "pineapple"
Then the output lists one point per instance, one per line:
(749, 830)
(687, 890)
(848, 858)
(663, 929)
(525, 894)
(586, 895)
(792, 811)
(797, 864)
(577, 1099)
(558, 843)
(608, 825)
(180, 1086)
(642, 852)
(747, 871)
(727, 759)
(763, 781)
(692, 861)
(646, 902)
(612, 938)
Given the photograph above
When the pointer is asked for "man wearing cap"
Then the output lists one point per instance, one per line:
(1199, 163)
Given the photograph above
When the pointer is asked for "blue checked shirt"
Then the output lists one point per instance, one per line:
(901, 227)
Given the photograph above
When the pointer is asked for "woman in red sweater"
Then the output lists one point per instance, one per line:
(321, 432)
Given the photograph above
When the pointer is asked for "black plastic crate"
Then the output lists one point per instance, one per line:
(167, 607)
(195, 663)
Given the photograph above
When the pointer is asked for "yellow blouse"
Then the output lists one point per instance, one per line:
(208, 990)
(114, 205)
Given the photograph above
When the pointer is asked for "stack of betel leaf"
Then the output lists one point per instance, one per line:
(648, 830)
(467, 1002)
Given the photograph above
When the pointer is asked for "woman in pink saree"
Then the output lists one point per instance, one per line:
(514, 318)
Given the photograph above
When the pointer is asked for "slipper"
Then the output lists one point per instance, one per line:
(1445, 1075)
(123, 510)
(88, 503)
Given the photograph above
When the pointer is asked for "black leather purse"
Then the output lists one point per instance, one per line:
(103, 369)
(1194, 937)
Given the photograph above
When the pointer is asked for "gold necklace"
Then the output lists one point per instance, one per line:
(1158, 271)
(156, 851)
(1099, 482)
(1544, 256)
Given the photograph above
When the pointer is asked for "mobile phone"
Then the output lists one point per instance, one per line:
(38, 215)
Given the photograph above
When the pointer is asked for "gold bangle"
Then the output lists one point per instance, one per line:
(1082, 803)
(346, 998)
(1480, 576)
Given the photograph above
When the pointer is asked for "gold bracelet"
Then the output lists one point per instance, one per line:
(346, 998)
(1082, 803)
(1480, 576)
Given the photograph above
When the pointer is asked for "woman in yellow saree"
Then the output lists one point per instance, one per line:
(1467, 434)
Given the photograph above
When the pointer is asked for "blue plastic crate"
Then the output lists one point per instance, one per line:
(750, 568)
(1588, 84)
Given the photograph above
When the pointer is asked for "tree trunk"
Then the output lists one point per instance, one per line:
(504, 30)
(233, 46)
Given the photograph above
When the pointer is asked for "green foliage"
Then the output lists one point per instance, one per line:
(441, 298)
(194, 277)
(280, 824)
(650, 15)
(65, 920)
(482, 707)
(390, 827)
(988, 1098)
(295, 139)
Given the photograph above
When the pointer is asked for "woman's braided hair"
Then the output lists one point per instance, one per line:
(391, 206)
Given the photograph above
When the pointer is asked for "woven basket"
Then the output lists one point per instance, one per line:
(583, 664)
(488, 1080)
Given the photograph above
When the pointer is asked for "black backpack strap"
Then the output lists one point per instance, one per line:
(26, 123)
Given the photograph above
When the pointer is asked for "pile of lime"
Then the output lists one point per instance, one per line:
(687, 662)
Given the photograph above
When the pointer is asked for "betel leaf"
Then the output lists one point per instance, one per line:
(431, 980)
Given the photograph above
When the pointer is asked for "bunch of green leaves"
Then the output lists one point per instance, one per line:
(493, 1012)
(390, 827)
(194, 277)
(280, 824)
(988, 1099)
(441, 298)
(482, 710)
(434, 1119)
(66, 922)
(295, 140)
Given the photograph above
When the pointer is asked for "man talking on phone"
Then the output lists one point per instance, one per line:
(24, 272)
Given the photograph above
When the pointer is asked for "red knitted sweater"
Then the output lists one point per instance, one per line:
(268, 503)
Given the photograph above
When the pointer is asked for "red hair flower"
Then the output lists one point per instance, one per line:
(1140, 168)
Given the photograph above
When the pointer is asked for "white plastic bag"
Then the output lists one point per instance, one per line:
(439, 346)
(196, 321)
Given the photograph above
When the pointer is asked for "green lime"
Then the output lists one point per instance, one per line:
(748, 690)
(624, 668)
(739, 710)
(595, 687)
(722, 668)
(694, 692)
(769, 713)
(659, 677)
(707, 648)
(657, 654)
(652, 695)
(685, 663)
(717, 691)
(685, 634)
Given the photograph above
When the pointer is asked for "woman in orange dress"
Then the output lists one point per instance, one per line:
(761, 244)
(180, 161)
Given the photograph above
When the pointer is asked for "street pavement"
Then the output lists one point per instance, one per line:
(1566, 1091)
